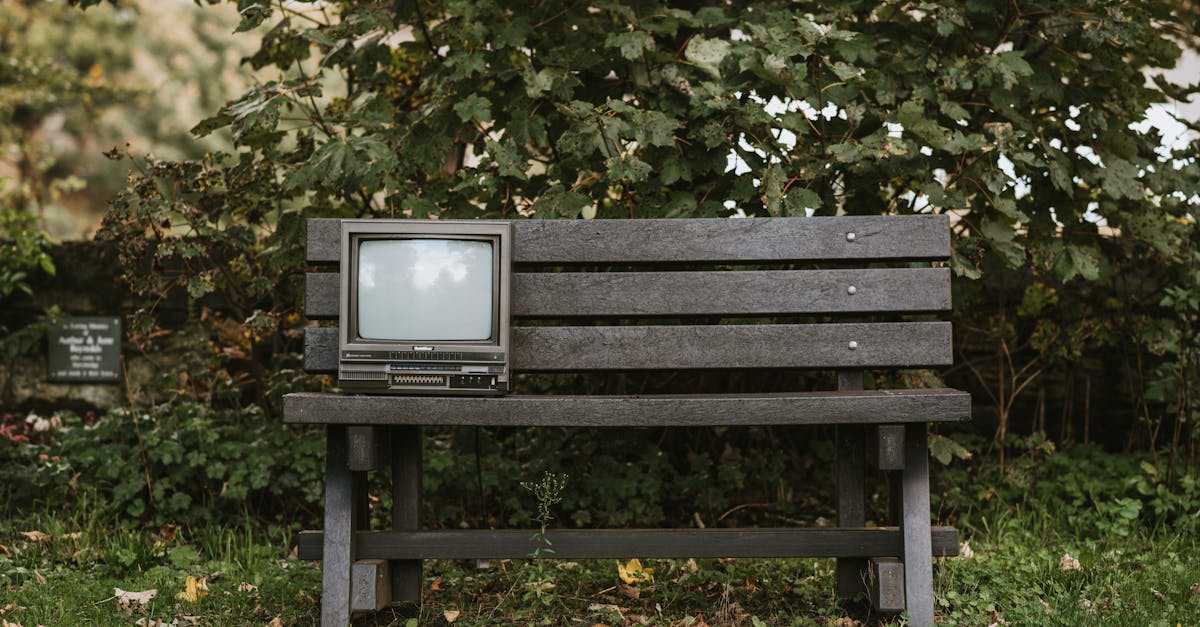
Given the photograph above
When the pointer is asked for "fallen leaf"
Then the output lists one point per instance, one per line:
(168, 532)
(607, 607)
(194, 589)
(72, 536)
(846, 621)
(38, 577)
(451, 615)
(4, 550)
(36, 536)
(275, 622)
(1069, 563)
(247, 587)
(632, 572)
(5, 623)
(629, 591)
(436, 586)
(965, 550)
(131, 601)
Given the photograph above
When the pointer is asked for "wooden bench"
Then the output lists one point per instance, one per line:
(688, 294)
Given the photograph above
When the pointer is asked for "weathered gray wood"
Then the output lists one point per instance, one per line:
(338, 547)
(704, 239)
(886, 449)
(367, 449)
(645, 543)
(851, 498)
(321, 294)
(684, 294)
(323, 243)
(885, 584)
(406, 507)
(899, 344)
(855, 345)
(867, 407)
(321, 349)
(918, 566)
(370, 586)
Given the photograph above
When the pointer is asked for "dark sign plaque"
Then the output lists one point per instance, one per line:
(86, 349)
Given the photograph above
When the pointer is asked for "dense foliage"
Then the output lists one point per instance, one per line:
(1075, 227)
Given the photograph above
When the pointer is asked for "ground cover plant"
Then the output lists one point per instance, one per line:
(1020, 568)
(1054, 537)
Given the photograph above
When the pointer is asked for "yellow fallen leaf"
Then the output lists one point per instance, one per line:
(194, 589)
(36, 536)
(632, 572)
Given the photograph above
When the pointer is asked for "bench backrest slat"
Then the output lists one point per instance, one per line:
(663, 347)
(683, 294)
(717, 240)
(575, 310)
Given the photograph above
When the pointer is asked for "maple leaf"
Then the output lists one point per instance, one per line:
(632, 572)
(194, 589)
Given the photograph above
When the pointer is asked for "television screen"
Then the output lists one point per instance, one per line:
(425, 289)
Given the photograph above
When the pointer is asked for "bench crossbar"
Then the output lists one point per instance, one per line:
(797, 408)
(626, 543)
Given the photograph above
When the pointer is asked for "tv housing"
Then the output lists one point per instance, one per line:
(425, 307)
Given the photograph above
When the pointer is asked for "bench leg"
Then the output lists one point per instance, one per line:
(851, 505)
(918, 544)
(337, 558)
(851, 491)
(406, 507)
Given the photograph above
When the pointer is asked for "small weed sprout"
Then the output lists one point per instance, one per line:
(548, 492)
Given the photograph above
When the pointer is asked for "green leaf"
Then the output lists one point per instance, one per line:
(846, 152)
(474, 107)
(799, 200)
(946, 450)
(253, 13)
(1121, 180)
(538, 83)
(653, 128)
(771, 190)
(627, 168)
(707, 54)
(631, 43)
(1085, 260)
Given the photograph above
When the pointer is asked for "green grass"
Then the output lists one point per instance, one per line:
(1151, 577)
(68, 575)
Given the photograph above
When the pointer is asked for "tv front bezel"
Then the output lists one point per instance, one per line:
(355, 231)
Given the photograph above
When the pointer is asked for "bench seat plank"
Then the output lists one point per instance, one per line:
(692, 294)
(795, 408)
(668, 240)
(670, 347)
(643, 543)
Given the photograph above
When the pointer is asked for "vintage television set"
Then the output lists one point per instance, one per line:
(425, 307)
